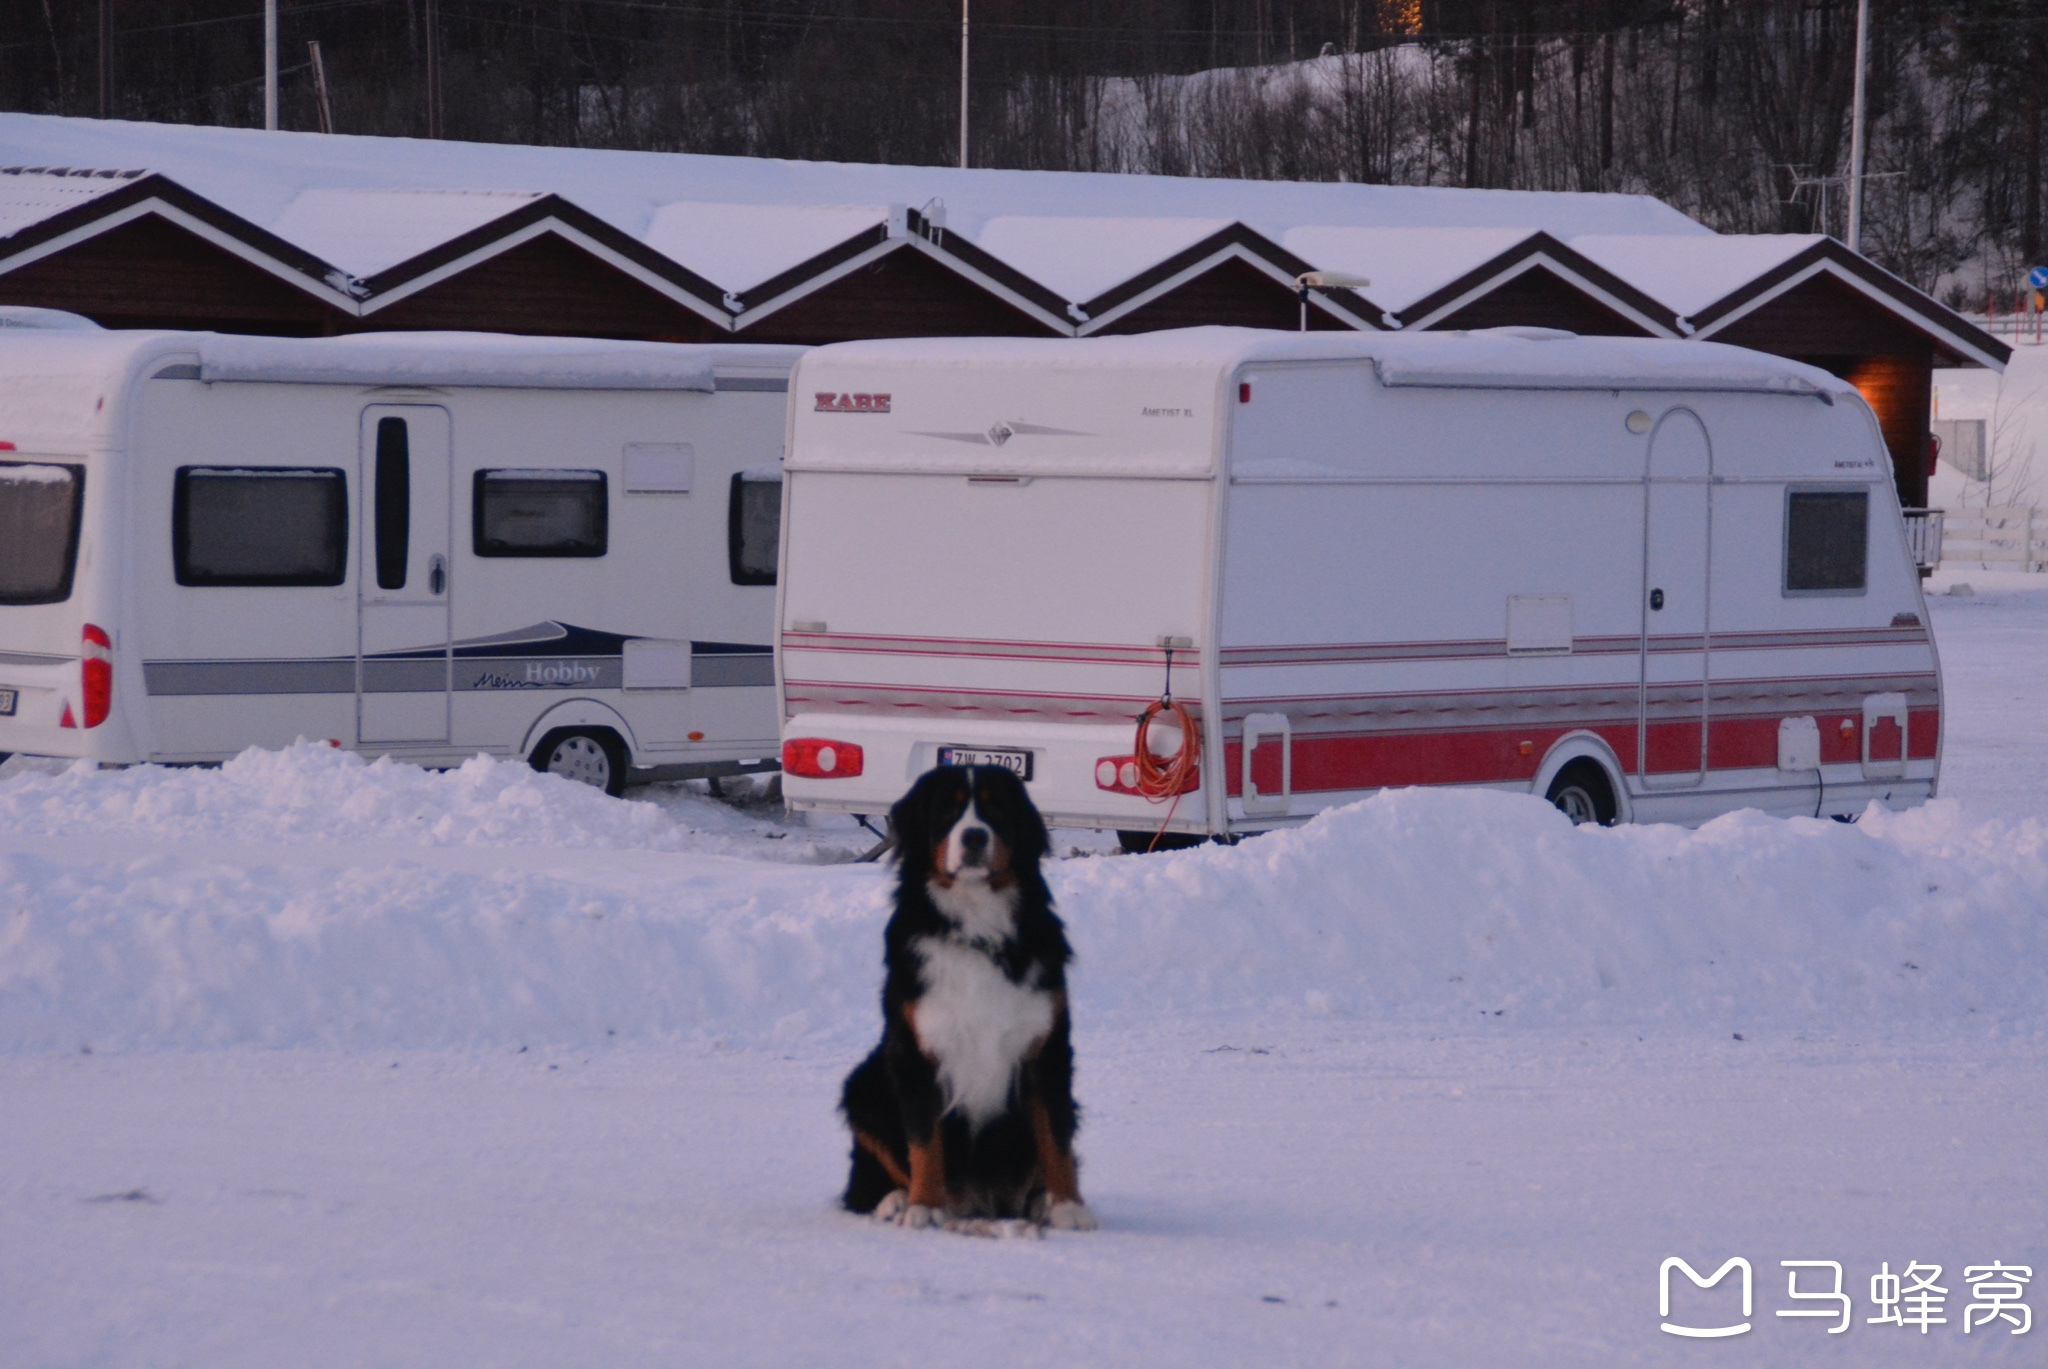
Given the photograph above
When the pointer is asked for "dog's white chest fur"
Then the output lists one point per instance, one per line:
(976, 1025)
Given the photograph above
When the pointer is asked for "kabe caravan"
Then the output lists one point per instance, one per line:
(426, 545)
(1647, 580)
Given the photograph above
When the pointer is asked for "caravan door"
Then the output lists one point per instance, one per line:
(402, 657)
(1671, 735)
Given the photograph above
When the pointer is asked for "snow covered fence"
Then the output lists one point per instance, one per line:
(304, 897)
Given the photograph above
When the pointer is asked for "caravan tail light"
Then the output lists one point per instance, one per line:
(819, 758)
(1119, 775)
(96, 674)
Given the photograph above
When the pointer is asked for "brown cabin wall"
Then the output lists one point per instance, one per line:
(902, 294)
(545, 286)
(149, 273)
(1538, 299)
(1826, 323)
(1232, 293)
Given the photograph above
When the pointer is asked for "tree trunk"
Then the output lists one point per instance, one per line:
(2030, 214)
(1606, 106)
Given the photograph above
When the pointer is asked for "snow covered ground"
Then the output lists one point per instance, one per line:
(306, 1061)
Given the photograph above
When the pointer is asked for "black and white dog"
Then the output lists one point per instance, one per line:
(966, 1108)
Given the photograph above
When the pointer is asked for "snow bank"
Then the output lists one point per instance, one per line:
(307, 898)
(315, 793)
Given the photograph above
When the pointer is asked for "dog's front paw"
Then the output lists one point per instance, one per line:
(916, 1216)
(1071, 1216)
(890, 1209)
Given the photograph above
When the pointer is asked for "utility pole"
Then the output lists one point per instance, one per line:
(106, 59)
(1856, 128)
(433, 68)
(963, 83)
(320, 86)
(270, 65)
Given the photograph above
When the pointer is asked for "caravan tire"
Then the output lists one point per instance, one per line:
(1582, 793)
(589, 755)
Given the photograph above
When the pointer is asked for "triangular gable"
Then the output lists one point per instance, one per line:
(905, 230)
(1454, 303)
(1235, 242)
(548, 216)
(77, 218)
(1744, 313)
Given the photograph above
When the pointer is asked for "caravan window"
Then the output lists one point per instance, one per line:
(539, 513)
(39, 512)
(754, 527)
(267, 526)
(1827, 541)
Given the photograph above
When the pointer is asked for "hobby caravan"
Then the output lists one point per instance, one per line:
(422, 545)
(1649, 580)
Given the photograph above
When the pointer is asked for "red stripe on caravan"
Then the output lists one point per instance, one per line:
(1325, 764)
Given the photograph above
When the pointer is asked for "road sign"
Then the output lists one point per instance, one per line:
(2038, 278)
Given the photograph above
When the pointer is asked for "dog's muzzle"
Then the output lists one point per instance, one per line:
(971, 850)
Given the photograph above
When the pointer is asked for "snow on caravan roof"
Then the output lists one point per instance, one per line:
(475, 359)
(52, 383)
(1146, 404)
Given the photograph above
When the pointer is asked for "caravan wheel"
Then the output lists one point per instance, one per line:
(1581, 792)
(589, 755)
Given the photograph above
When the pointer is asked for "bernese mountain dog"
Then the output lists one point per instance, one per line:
(965, 1112)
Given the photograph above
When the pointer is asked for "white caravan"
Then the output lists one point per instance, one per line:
(423, 545)
(1652, 581)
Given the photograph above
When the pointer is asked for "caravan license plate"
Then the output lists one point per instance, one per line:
(6, 703)
(1014, 760)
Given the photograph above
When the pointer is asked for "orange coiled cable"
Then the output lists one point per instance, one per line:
(1160, 780)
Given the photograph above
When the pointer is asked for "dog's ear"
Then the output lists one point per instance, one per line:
(916, 818)
(1002, 793)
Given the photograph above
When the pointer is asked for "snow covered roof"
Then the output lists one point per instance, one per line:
(363, 223)
(1403, 264)
(1695, 274)
(738, 246)
(1083, 256)
(31, 194)
(258, 174)
(367, 231)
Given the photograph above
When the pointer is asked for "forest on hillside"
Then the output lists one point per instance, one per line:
(1736, 111)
